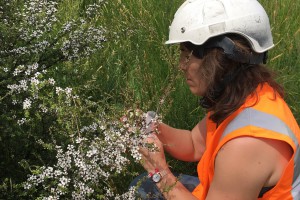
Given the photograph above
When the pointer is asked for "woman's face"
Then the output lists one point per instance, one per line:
(191, 65)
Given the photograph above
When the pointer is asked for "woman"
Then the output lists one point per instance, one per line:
(247, 145)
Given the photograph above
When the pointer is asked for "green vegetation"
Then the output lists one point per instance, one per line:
(133, 69)
(284, 58)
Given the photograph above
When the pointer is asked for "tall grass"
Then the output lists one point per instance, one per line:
(141, 67)
(284, 58)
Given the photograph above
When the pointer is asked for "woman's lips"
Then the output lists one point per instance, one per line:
(189, 81)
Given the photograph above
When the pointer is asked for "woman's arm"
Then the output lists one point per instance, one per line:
(172, 189)
(245, 165)
(183, 144)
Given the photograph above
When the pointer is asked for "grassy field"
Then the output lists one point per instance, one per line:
(284, 58)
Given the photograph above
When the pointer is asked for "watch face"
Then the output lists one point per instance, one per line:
(156, 177)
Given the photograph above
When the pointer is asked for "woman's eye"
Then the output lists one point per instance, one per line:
(187, 59)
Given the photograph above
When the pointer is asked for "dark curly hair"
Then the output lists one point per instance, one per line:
(229, 83)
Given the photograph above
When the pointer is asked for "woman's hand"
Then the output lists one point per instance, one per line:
(153, 156)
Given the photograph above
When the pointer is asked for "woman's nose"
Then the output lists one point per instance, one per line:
(184, 61)
(183, 66)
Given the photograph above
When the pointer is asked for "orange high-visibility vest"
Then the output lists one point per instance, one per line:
(265, 117)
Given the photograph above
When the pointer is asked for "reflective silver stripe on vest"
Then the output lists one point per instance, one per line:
(253, 117)
(296, 181)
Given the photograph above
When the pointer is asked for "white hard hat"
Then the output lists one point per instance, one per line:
(196, 21)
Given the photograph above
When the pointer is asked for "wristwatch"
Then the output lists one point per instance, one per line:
(157, 175)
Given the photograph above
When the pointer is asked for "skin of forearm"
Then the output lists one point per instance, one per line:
(172, 189)
(175, 140)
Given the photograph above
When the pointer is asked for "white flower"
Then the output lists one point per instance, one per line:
(80, 139)
(43, 108)
(68, 91)
(58, 90)
(16, 72)
(27, 186)
(21, 121)
(26, 104)
(34, 81)
(92, 152)
(51, 81)
(64, 181)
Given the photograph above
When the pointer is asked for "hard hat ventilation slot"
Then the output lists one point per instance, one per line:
(182, 30)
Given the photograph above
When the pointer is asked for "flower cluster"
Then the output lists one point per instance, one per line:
(34, 83)
(93, 9)
(37, 17)
(42, 39)
(98, 152)
(83, 41)
(31, 77)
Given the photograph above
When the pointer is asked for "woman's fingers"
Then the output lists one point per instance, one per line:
(148, 146)
(152, 154)
(151, 144)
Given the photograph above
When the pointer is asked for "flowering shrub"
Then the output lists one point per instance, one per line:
(97, 153)
(68, 152)
(56, 141)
